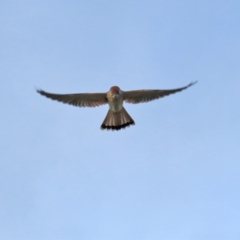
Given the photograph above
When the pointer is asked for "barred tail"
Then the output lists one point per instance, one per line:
(117, 120)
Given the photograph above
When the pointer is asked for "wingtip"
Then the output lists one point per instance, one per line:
(193, 83)
(39, 90)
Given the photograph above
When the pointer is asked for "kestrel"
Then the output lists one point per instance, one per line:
(117, 117)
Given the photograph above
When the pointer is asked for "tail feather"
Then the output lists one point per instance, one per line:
(117, 120)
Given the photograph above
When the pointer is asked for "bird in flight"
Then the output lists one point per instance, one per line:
(117, 117)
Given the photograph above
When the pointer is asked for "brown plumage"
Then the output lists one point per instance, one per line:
(117, 120)
(117, 117)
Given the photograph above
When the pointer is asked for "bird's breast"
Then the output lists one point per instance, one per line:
(115, 104)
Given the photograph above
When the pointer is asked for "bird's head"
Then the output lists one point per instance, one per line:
(115, 91)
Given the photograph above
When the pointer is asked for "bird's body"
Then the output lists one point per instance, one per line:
(117, 117)
(115, 99)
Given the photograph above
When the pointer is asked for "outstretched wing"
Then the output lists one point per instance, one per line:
(139, 96)
(79, 99)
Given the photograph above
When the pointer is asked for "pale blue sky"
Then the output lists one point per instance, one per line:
(175, 175)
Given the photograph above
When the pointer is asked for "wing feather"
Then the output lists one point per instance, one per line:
(139, 96)
(79, 99)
